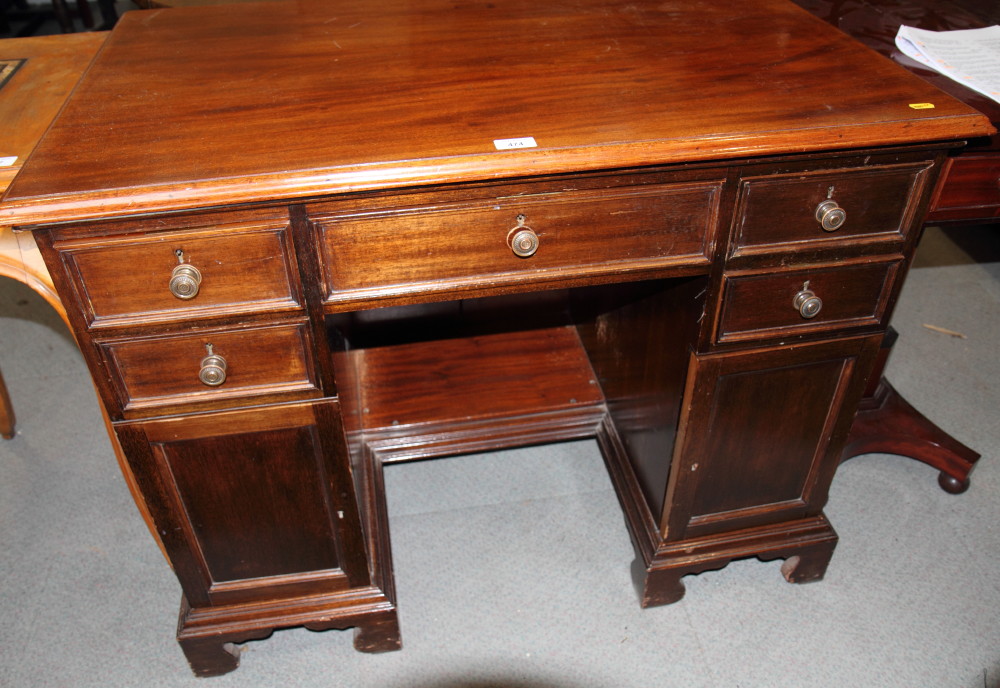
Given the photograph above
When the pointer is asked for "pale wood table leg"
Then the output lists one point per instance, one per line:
(6, 412)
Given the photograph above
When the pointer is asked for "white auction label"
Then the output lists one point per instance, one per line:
(508, 144)
(7, 162)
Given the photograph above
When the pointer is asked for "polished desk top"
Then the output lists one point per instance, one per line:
(185, 108)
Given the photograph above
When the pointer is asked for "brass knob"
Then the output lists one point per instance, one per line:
(185, 279)
(213, 368)
(807, 303)
(522, 239)
(830, 216)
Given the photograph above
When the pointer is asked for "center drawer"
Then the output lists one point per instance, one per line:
(384, 252)
(970, 189)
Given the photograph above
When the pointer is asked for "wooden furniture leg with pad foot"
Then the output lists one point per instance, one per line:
(887, 424)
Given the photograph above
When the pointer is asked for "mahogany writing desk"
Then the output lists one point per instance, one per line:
(325, 237)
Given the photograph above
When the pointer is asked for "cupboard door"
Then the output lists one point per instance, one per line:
(252, 505)
(761, 433)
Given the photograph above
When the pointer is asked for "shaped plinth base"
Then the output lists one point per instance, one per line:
(209, 637)
(806, 546)
(210, 656)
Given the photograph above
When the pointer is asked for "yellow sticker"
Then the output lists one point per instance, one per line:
(922, 106)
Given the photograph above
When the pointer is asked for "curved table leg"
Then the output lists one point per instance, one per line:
(886, 423)
(6, 412)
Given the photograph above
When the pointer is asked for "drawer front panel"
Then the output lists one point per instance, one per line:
(153, 372)
(971, 183)
(782, 209)
(765, 305)
(580, 234)
(127, 280)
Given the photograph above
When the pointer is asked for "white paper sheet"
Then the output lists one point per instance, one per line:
(970, 57)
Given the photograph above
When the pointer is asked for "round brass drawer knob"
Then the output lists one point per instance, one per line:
(807, 303)
(213, 368)
(830, 216)
(524, 243)
(185, 280)
(522, 239)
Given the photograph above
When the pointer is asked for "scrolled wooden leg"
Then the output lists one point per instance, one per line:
(887, 424)
(380, 634)
(210, 656)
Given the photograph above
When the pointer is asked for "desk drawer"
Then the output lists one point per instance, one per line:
(769, 305)
(971, 184)
(877, 204)
(583, 233)
(128, 280)
(260, 364)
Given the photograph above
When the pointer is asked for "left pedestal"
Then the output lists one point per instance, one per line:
(257, 511)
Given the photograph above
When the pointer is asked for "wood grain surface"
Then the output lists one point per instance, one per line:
(198, 107)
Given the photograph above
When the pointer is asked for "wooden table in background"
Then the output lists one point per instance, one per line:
(41, 72)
